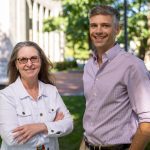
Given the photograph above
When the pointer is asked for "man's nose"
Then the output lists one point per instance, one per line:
(99, 29)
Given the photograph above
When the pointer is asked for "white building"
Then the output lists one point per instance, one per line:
(22, 20)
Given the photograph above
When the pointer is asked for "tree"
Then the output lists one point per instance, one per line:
(74, 22)
(138, 25)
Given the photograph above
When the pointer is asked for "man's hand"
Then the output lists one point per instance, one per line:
(141, 137)
(25, 132)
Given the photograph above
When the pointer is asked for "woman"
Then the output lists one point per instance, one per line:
(32, 113)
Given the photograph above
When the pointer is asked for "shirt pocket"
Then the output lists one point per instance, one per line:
(51, 114)
(24, 116)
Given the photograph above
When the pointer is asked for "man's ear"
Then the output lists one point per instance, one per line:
(118, 29)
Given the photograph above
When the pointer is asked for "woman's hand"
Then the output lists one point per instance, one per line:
(59, 116)
(25, 132)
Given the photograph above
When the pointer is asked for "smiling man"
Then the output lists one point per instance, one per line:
(116, 88)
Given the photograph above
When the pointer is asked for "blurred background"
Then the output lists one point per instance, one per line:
(60, 27)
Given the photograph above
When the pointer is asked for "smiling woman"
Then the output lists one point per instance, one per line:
(36, 115)
(29, 56)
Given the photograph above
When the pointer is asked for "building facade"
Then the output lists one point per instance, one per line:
(22, 20)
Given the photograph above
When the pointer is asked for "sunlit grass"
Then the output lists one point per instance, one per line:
(76, 107)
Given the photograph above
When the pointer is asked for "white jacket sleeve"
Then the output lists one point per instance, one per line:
(61, 127)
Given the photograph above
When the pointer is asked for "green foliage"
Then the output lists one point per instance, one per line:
(65, 65)
(138, 26)
(74, 22)
(82, 56)
(141, 29)
(54, 23)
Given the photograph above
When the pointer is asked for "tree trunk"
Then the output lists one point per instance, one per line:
(142, 49)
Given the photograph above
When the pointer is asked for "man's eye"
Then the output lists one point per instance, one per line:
(106, 26)
(93, 25)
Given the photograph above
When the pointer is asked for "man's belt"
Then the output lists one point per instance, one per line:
(110, 147)
(41, 147)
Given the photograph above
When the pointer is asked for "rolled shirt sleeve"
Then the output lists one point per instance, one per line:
(117, 97)
(139, 91)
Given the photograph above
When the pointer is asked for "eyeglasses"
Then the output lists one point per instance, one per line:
(24, 60)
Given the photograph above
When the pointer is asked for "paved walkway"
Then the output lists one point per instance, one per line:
(69, 83)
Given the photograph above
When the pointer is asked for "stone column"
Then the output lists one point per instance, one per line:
(35, 22)
(21, 20)
(41, 16)
(46, 39)
(30, 13)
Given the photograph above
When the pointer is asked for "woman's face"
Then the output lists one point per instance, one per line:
(28, 63)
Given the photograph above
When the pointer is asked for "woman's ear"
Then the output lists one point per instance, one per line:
(16, 66)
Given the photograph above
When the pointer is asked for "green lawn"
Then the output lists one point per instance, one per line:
(76, 106)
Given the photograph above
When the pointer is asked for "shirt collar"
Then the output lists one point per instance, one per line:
(22, 91)
(108, 55)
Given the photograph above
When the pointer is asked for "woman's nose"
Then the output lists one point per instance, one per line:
(29, 63)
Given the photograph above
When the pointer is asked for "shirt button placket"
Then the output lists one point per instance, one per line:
(91, 124)
(94, 94)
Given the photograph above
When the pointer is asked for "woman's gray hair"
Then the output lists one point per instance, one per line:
(46, 65)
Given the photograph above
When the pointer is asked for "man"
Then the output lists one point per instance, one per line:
(116, 88)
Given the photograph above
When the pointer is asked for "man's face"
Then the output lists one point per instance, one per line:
(103, 31)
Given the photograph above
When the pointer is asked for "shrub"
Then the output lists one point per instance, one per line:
(65, 65)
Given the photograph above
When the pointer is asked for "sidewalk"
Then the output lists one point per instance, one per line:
(69, 83)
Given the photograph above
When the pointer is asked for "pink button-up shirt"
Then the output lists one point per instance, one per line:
(117, 97)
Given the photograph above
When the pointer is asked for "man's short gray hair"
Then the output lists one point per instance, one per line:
(105, 10)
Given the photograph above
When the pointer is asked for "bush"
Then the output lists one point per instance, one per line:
(65, 65)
